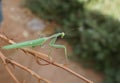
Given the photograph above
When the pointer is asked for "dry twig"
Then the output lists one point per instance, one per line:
(45, 57)
(7, 61)
(27, 69)
(3, 58)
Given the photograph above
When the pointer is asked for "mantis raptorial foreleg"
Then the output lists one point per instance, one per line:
(52, 43)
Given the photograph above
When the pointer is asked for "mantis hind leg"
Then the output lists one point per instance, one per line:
(52, 43)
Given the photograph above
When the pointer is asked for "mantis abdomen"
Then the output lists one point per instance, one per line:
(31, 43)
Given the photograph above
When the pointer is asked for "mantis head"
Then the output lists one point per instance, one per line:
(62, 34)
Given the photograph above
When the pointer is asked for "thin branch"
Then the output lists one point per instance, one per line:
(46, 58)
(3, 58)
(72, 72)
(27, 69)
(7, 61)
(38, 54)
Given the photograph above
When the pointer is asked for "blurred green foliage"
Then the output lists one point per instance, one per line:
(107, 7)
(95, 38)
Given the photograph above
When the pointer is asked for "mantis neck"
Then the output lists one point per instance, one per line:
(55, 35)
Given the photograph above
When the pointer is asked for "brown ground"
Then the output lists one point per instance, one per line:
(15, 27)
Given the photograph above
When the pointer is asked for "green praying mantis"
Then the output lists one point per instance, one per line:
(39, 42)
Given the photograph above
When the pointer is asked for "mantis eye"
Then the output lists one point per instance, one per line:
(62, 34)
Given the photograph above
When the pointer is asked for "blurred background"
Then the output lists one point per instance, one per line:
(92, 29)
